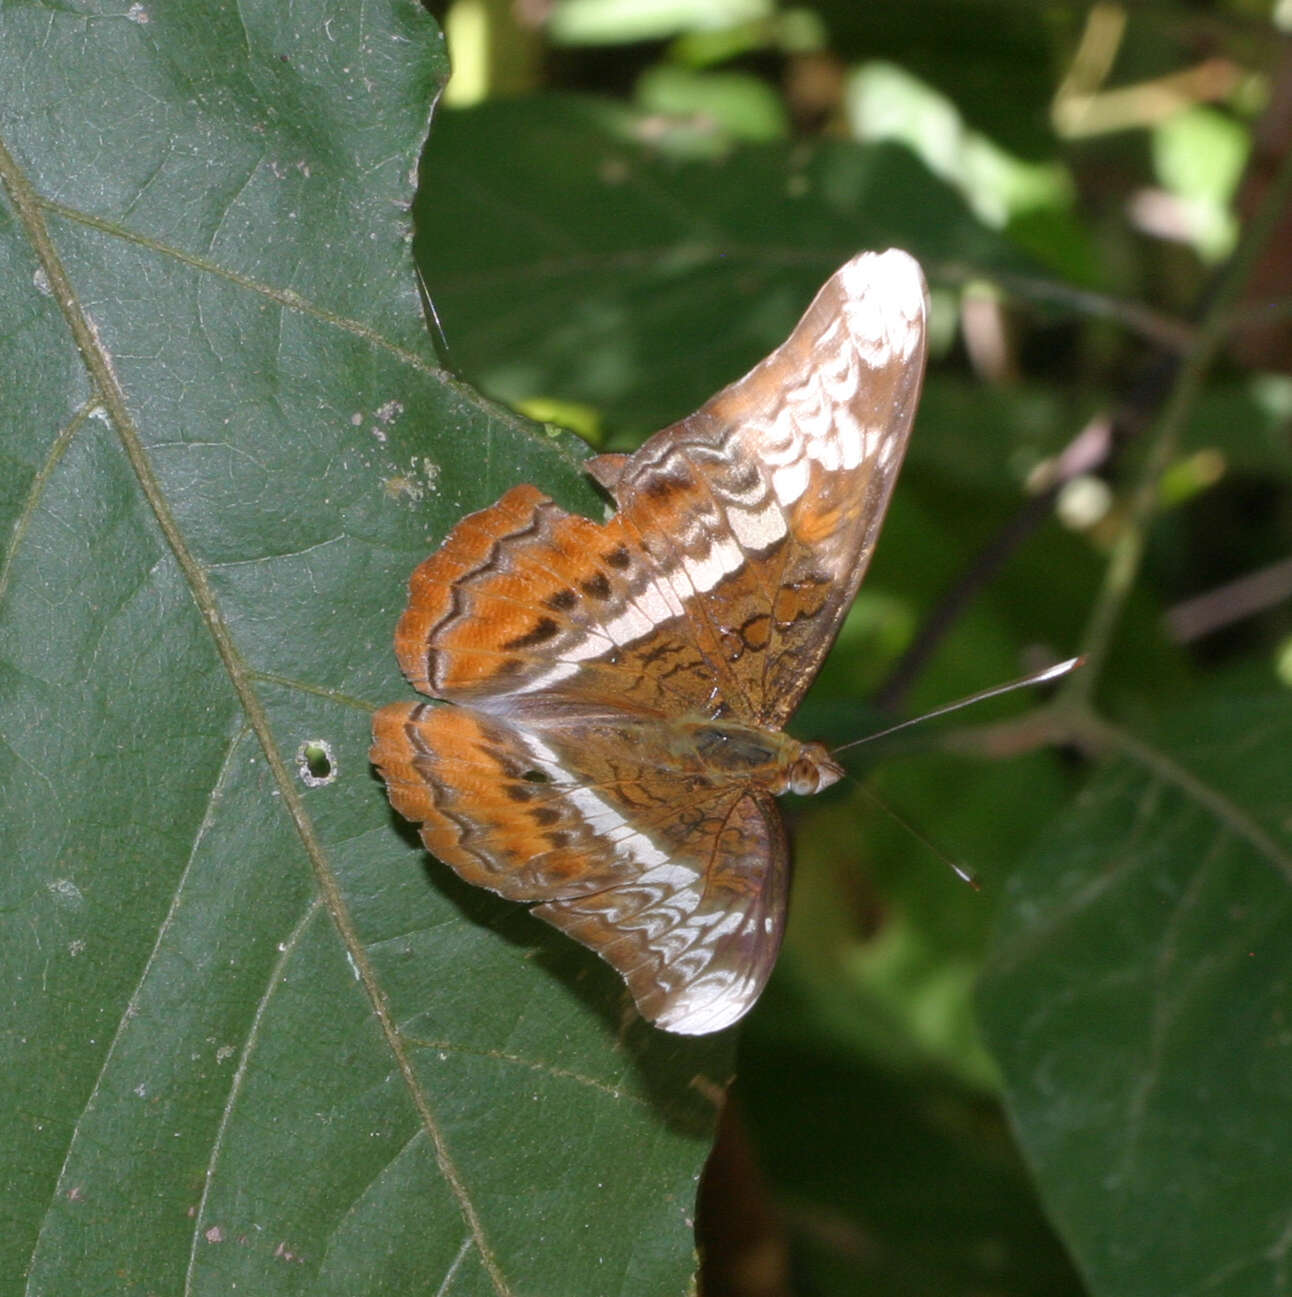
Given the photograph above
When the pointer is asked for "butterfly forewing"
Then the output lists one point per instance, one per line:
(767, 502)
(526, 609)
(620, 685)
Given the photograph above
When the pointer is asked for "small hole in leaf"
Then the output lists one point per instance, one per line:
(315, 763)
(536, 777)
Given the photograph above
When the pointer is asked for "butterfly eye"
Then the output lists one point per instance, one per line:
(805, 778)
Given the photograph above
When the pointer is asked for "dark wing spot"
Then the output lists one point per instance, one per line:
(740, 477)
(660, 484)
(661, 650)
(618, 558)
(598, 586)
(543, 630)
(545, 815)
(562, 600)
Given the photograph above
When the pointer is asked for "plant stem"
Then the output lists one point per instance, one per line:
(1128, 552)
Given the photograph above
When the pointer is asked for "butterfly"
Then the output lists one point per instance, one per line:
(614, 744)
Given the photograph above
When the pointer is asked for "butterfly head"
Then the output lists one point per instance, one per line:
(812, 770)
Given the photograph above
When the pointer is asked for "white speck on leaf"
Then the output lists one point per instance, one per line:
(63, 889)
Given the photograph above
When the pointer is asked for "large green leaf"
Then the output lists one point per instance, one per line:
(251, 1037)
(1138, 1001)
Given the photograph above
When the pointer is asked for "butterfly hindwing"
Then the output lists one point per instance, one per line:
(695, 938)
(680, 889)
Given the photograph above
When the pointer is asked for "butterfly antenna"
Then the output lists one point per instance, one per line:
(428, 304)
(962, 872)
(1023, 682)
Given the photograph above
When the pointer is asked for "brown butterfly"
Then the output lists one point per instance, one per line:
(619, 688)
